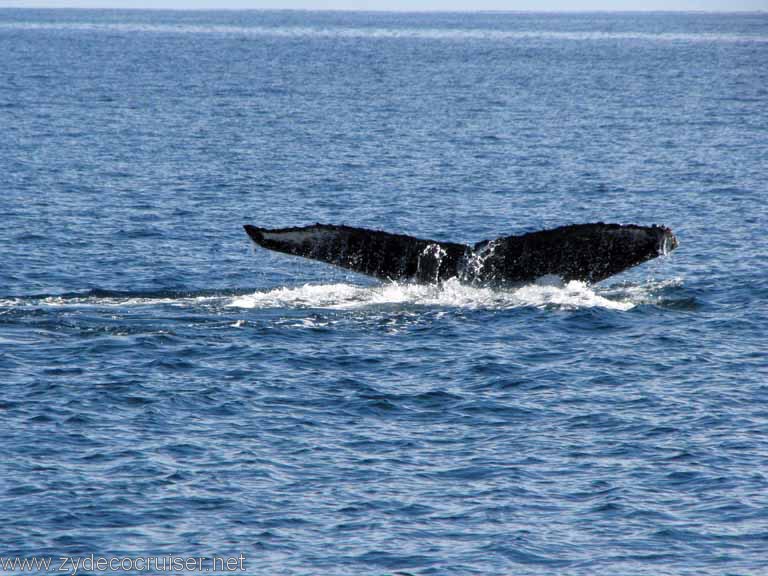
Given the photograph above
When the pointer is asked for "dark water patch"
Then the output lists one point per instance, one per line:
(391, 561)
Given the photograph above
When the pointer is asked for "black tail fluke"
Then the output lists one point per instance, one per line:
(372, 252)
(587, 252)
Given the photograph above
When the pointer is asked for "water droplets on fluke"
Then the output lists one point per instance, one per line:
(545, 293)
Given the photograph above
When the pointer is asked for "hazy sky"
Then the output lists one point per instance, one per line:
(707, 5)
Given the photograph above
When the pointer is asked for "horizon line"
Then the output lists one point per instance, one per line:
(386, 11)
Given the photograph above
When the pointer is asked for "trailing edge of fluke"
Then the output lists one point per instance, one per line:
(586, 252)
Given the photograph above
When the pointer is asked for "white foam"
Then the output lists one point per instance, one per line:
(307, 296)
(546, 293)
(105, 302)
(370, 32)
(649, 292)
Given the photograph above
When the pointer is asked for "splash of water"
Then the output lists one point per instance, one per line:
(546, 293)
(429, 263)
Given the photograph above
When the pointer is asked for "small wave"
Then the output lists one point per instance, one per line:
(98, 298)
(54, 301)
(664, 293)
(366, 32)
(546, 293)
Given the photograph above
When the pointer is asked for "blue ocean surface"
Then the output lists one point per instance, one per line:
(168, 390)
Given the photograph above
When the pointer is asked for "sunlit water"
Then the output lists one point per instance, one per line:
(168, 389)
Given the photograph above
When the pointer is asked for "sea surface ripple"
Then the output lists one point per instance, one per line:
(165, 389)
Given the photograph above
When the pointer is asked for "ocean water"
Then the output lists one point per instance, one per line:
(167, 390)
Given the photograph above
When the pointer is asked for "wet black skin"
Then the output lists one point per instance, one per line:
(586, 252)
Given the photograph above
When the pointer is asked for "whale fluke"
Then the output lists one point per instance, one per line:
(586, 252)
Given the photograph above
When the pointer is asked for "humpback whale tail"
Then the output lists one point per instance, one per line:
(586, 252)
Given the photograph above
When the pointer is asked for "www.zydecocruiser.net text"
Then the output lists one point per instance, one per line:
(148, 565)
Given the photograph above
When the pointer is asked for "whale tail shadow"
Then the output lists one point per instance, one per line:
(586, 252)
